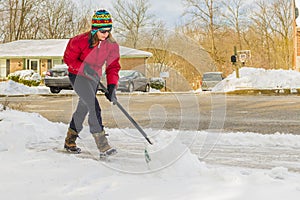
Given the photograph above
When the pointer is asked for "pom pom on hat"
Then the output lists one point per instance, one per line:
(101, 20)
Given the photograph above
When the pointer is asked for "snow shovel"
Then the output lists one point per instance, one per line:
(137, 126)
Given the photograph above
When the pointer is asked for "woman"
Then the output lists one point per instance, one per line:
(85, 55)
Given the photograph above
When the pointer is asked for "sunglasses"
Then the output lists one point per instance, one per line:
(105, 31)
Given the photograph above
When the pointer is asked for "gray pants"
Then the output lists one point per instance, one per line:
(86, 89)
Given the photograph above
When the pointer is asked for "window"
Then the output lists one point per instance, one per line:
(33, 64)
(49, 63)
(7, 66)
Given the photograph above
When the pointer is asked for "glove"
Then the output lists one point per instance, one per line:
(111, 93)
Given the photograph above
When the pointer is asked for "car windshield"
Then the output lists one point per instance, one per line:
(212, 77)
(124, 73)
(60, 66)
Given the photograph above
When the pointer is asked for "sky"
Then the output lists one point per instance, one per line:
(168, 10)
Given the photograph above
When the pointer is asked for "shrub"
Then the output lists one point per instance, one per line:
(26, 77)
(157, 83)
(14, 77)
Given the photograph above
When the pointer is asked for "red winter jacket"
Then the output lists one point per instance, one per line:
(78, 53)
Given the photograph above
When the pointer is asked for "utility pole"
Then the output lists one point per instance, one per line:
(234, 60)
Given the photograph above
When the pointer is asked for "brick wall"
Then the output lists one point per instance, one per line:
(298, 41)
(133, 63)
(16, 64)
(297, 49)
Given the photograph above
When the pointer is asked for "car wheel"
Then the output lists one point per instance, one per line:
(147, 88)
(55, 90)
(130, 87)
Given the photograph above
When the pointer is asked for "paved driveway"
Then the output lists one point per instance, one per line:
(262, 114)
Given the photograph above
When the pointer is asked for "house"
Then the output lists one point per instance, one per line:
(41, 55)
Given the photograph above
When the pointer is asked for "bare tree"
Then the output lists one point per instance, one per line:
(130, 17)
(235, 15)
(283, 30)
(273, 24)
(205, 15)
(61, 19)
(36, 19)
(16, 15)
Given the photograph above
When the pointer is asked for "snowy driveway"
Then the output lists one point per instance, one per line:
(258, 114)
(32, 168)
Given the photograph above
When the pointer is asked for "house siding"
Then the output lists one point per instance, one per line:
(126, 64)
(3, 68)
(44, 66)
(133, 63)
(53, 54)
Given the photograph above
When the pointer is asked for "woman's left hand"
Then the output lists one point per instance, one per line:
(111, 93)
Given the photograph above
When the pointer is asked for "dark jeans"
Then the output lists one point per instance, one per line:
(86, 89)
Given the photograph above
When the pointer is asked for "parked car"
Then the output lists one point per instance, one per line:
(57, 78)
(132, 80)
(210, 80)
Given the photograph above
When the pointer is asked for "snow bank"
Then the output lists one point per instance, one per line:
(250, 78)
(258, 78)
(13, 88)
(30, 169)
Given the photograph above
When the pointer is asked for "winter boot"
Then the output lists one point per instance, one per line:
(102, 144)
(70, 144)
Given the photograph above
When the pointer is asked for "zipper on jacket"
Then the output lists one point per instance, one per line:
(97, 52)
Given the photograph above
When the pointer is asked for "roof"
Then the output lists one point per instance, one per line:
(53, 48)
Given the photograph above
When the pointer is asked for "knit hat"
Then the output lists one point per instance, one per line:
(101, 20)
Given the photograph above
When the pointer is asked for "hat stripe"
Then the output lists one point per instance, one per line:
(101, 28)
(98, 21)
(101, 25)
(101, 17)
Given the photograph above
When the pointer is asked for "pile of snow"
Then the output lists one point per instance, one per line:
(26, 75)
(13, 88)
(31, 169)
(250, 78)
(258, 78)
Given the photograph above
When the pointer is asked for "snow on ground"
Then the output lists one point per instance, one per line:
(258, 78)
(13, 88)
(31, 168)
